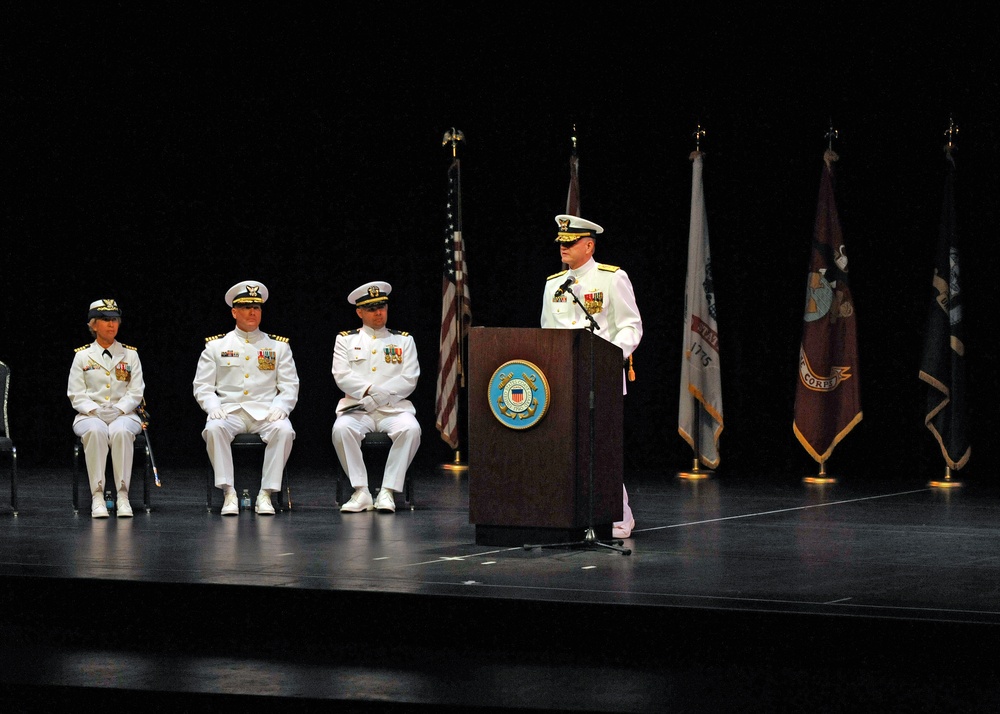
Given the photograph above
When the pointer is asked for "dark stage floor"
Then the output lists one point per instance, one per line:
(739, 595)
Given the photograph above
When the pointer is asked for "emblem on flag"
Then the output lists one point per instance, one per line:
(518, 394)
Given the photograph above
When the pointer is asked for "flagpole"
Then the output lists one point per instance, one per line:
(453, 137)
(696, 473)
(950, 133)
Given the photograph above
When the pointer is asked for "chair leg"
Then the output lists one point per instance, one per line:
(408, 492)
(76, 477)
(145, 481)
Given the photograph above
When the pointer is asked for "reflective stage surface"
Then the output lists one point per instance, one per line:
(739, 594)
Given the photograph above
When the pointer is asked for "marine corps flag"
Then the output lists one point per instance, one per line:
(942, 367)
(828, 390)
(700, 414)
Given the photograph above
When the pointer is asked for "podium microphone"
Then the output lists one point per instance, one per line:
(565, 286)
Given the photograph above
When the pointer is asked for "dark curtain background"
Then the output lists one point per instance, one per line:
(158, 155)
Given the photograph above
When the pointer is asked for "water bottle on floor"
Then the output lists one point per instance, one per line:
(245, 502)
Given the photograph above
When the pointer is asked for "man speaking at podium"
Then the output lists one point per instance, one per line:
(607, 294)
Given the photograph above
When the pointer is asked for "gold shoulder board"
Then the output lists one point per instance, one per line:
(608, 268)
(81, 349)
(278, 338)
(215, 337)
(557, 275)
(130, 347)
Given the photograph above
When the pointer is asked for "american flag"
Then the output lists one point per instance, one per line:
(456, 313)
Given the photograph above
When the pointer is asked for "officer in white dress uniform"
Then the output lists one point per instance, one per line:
(607, 293)
(247, 383)
(105, 387)
(377, 370)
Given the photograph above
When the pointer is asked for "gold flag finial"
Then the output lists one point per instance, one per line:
(829, 156)
(830, 135)
(453, 137)
(698, 134)
(951, 132)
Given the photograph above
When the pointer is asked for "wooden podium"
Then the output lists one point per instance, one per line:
(532, 485)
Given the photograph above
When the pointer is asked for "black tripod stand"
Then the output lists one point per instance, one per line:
(590, 539)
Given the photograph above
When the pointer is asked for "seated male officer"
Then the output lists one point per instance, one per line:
(377, 370)
(247, 383)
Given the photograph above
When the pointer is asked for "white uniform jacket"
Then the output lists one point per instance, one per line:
(95, 381)
(607, 293)
(249, 370)
(384, 360)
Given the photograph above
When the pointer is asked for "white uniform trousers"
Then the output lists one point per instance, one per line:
(98, 437)
(277, 435)
(350, 429)
(626, 520)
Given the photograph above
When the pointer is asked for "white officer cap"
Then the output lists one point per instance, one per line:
(373, 293)
(573, 228)
(106, 309)
(247, 292)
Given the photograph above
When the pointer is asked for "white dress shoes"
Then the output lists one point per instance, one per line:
(361, 500)
(385, 503)
(231, 506)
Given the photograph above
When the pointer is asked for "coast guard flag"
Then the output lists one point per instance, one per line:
(942, 367)
(456, 314)
(700, 413)
(828, 390)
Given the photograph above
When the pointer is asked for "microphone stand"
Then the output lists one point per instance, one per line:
(590, 539)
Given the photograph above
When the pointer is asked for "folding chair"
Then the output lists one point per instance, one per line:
(141, 444)
(375, 451)
(6, 443)
(242, 444)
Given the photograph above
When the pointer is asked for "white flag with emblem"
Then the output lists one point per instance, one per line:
(700, 414)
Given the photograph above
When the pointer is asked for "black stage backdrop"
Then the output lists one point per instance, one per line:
(160, 155)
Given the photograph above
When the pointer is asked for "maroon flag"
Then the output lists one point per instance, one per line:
(456, 314)
(828, 393)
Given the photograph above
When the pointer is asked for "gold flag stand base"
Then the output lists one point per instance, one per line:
(695, 473)
(947, 483)
(456, 465)
(821, 477)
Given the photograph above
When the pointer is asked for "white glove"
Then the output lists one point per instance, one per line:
(369, 404)
(381, 398)
(108, 414)
(219, 413)
(277, 414)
